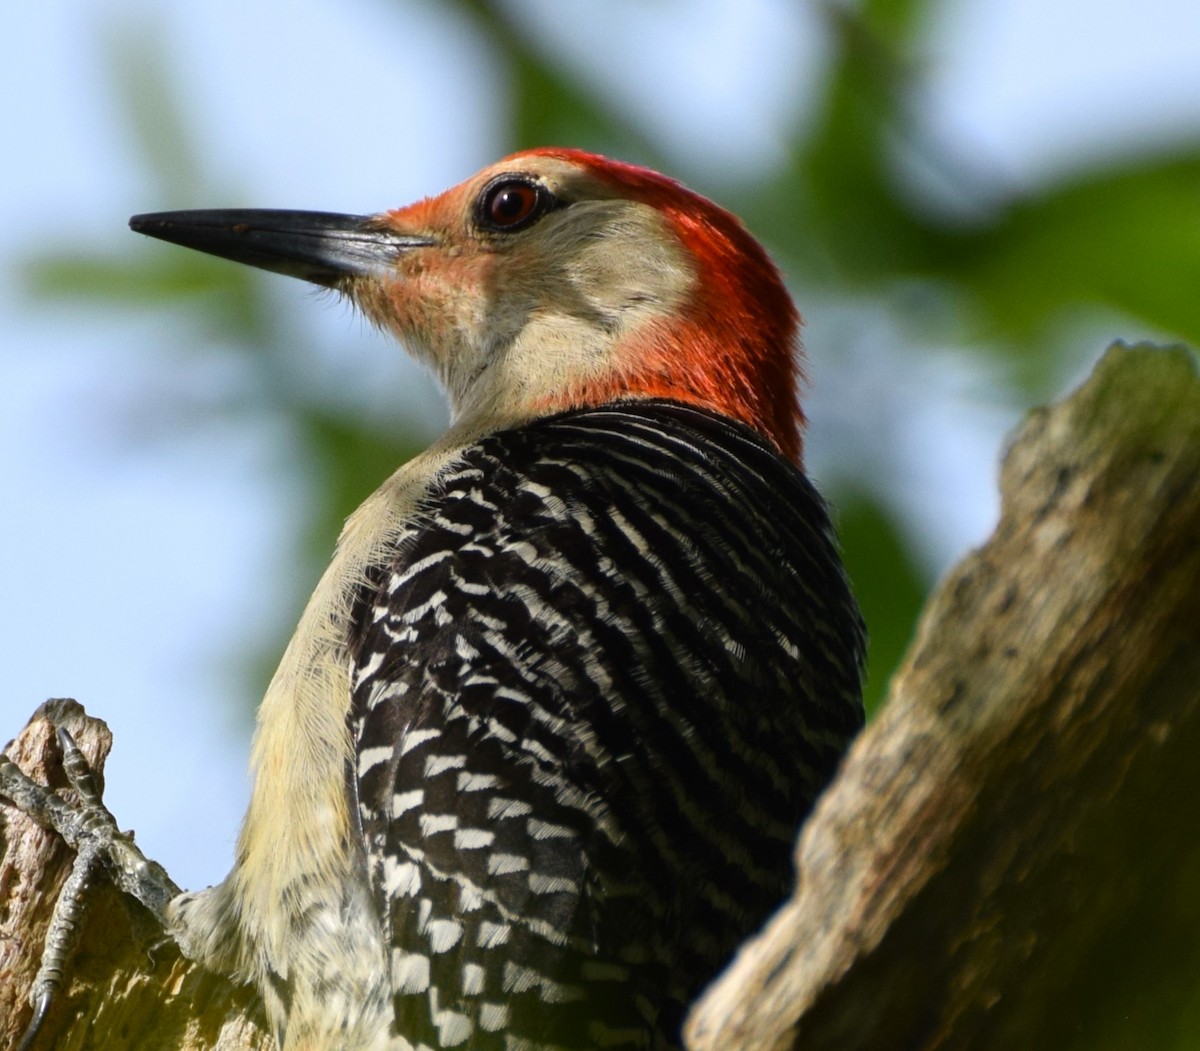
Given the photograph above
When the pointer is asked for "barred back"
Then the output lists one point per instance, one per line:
(613, 661)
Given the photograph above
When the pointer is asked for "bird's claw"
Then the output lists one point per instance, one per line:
(90, 829)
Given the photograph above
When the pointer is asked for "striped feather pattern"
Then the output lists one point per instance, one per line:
(612, 663)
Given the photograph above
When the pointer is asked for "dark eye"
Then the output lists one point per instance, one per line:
(510, 204)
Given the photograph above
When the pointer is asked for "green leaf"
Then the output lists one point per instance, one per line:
(1125, 238)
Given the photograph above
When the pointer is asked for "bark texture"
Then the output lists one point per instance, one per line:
(126, 987)
(1010, 855)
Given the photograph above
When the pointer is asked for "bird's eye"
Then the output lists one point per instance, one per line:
(510, 204)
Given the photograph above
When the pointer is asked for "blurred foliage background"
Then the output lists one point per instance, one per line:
(910, 255)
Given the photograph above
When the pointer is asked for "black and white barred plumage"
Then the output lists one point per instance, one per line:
(610, 666)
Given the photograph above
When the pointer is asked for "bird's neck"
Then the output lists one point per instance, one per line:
(563, 363)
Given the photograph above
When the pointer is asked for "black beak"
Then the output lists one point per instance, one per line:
(322, 247)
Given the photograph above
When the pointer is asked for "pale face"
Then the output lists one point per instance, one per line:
(537, 283)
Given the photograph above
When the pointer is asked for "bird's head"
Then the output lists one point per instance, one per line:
(553, 279)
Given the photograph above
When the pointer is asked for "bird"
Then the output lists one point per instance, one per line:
(533, 763)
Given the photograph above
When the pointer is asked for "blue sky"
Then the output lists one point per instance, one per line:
(132, 557)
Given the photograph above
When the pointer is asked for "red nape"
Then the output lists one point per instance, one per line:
(735, 348)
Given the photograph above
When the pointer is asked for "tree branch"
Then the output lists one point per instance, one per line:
(126, 985)
(1008, 856)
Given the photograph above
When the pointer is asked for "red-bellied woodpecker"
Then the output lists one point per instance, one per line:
(534, 761)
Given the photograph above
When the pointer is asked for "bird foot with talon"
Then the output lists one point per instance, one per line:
(77, 813)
